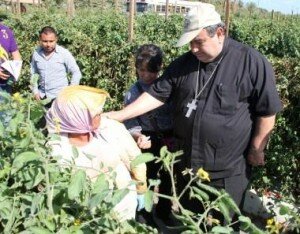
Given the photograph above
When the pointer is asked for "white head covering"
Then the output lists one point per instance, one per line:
(196, 19)
(74, 109)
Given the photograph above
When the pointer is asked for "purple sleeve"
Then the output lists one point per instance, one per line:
(13, 44)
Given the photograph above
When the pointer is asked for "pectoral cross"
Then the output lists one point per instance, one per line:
(192, 106)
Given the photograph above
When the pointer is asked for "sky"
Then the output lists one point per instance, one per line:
(284, 6)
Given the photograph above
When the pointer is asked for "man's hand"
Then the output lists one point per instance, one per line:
(256, 157)
(37, 97)
(3, 74)
(143, 142)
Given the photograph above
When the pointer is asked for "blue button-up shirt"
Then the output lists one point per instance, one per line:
(53, 71)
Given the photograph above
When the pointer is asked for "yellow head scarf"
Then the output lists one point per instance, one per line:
(74, 109)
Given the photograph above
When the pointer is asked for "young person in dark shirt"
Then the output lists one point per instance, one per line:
(153, 129)
(225, 102)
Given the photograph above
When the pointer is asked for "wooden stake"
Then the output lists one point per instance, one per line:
(18, 8)
(167, 10)
(227, 16)
(70, 8)
(131, 20)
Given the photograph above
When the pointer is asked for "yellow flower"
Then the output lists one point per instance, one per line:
(17, 97)
(273, 226)
(270, 221)
(203, 175)
(77, 222)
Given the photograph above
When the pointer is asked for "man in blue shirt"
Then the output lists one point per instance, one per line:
(52, 63)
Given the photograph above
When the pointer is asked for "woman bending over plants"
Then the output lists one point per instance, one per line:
(96, 145)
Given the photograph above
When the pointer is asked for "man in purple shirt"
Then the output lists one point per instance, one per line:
(8, 48)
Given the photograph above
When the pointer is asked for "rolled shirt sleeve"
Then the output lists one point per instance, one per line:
(72, 68)
(265, 98)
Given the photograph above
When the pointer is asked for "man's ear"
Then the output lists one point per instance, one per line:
(221, 31)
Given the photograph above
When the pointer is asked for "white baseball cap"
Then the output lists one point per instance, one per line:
(196, 19)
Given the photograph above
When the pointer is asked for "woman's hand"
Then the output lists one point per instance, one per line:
(143, 142)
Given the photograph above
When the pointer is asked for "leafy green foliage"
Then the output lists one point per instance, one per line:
(99, 42)
(37, 195)
(279, 41)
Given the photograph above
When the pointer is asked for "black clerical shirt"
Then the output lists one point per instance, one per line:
(217, 134)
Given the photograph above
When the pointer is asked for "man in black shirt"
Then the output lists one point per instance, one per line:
(225, 102)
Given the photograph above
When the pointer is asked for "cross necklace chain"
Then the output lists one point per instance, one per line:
(193, 104)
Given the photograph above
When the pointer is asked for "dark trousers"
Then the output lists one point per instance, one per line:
(155, 171)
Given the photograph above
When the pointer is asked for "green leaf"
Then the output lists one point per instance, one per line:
(2, 130)
(148, 200)
(101, 185)
(35, 177)
(224, 210)
(14, 123)
(25, 142)
(284, 210)
(247, 225)
(203, 194)
(119, 195)
(209, 189)
(89, 156)
(22, 159)
(246, 222)
(49, 224)
(75, 152)
(164, 151)
(96, 200)
(36, 114)
(194, 195)
(143, 158)
(77, 184)
(5, 208)
(154, 182)
(219, 229)
(230, 203)
(36, 202)
(39, 230)
(266, 180)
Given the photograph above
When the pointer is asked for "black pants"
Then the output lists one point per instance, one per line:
(155, 171)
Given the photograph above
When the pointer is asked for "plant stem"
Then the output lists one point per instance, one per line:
(45, 164)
